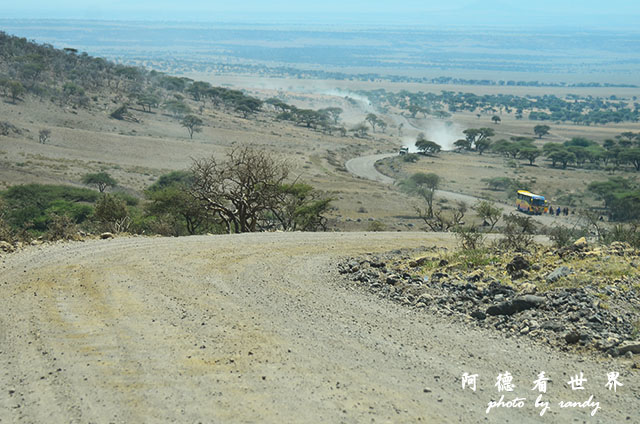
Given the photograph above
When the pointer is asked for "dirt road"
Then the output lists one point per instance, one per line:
(364, 167)
(256, 328)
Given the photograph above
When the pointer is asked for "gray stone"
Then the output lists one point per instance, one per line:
(528, 301)
(552, 325)
(479, 315)
(572, 337)
(561, 271)
(518, 304)
(518, 263)
(392, 279)
(6, 247)
(629, 346)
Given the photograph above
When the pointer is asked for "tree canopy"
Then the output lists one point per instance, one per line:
(101, 180)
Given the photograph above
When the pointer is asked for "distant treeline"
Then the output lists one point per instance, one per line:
(582, 110)
(70, 78)
(290, 72)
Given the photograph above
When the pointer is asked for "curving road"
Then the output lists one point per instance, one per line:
(256, 328)
(365, 167)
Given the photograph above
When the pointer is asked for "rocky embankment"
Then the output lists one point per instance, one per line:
(577, 298)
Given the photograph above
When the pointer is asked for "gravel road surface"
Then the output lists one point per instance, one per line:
(258, 328)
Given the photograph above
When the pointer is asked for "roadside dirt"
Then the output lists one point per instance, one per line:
(258, 328)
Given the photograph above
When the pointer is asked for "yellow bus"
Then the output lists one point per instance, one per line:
(531, 203)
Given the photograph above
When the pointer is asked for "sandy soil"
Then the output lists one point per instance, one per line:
(257, 328)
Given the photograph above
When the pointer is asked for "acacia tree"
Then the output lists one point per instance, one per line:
(101, 180)
(428, 147)
(631, 156)
(529, 153)
(299, 207)
(561, 155)
(541, 130)
(192, 123)
(373, 120)
(241, 188)
(480, 137)
(426, 186)
(489, 213)
(147, 101)
(333, 113)
(462, 144)
(361, 129)
(248, 106)
(16, 89)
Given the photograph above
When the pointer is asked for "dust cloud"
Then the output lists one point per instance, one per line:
(445, 133)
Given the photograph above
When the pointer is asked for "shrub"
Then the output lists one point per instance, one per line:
(111, 214)
(61, 227)
(376, 226)
(506, 184)
(518, 233)
(489, 213)
(410, 157)
(184, 178)
(33, 206)
(128, 199)
(469, 237)
(6, 234)
(623, 233)
(562, 236)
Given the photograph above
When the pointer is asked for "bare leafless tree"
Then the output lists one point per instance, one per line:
(441, 220)
(241, 188)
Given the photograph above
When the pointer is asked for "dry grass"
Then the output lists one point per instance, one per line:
(136, 154)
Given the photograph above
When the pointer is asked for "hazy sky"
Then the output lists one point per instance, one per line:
(609, 13)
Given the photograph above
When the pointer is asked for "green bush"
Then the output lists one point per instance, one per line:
(376, 226)
(518, 233)
(128, 199)
(473, 258)
(410, 157)
(184, 178)
(562, 236)
(111, 214)
(623, 233)
(61, 227)
(33, 206)
(469, 238)
(6, 233)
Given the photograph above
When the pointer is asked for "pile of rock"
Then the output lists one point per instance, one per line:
(602, 318)
(6, 247)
